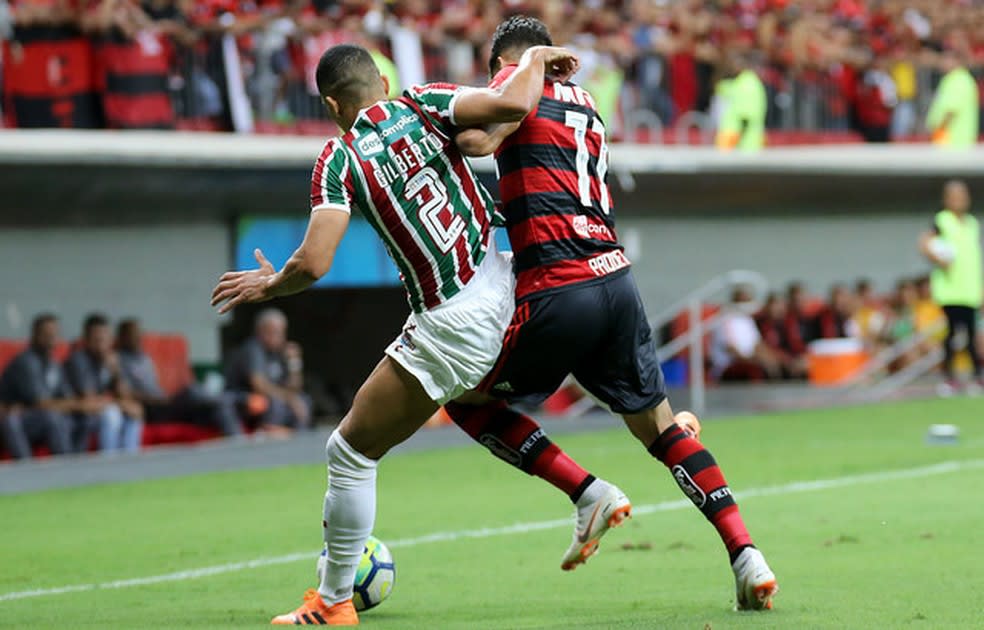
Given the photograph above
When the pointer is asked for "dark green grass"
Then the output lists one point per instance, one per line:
(889, 554)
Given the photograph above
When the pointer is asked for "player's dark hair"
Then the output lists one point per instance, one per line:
(345, 73)
(40, 320)
(517, 33)
(92, 320)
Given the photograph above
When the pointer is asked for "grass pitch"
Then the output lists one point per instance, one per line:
(893, 551)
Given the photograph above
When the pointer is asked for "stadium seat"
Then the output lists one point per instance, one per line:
(169, 353)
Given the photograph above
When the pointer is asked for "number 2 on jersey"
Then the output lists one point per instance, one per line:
(578, 121)
(432, 197)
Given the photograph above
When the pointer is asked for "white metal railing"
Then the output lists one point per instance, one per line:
(889, 355)
(694, 120)
(894, 382)
(698, 327)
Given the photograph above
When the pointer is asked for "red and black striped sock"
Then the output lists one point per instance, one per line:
(518, 440)
(698, 475)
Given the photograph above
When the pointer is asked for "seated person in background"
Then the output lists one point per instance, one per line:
(93, 371)
(870, 317)
(798, 326)
(737, 350)
(264, 378)
(902, 326)
(836, 319)
(929, 316)
(140, 374)
(771, 324)
(35, 395)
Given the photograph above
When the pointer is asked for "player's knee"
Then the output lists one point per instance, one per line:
(344, 460)
(647, 425)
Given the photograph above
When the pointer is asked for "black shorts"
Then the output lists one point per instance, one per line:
(597, 331)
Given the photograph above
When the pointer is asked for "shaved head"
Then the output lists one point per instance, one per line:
(348, 74)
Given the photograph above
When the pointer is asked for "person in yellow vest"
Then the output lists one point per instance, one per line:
(388, 69)
(744, 106)
(954, 116)
(953, 245)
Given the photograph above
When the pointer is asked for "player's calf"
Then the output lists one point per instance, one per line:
(519, 441)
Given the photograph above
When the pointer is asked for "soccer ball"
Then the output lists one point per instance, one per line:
(374, 578)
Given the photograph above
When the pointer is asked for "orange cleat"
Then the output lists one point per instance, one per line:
(314, 612)
(755, 583)
(593, 521)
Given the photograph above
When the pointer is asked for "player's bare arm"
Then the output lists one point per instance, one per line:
(308, 263)
(478, 142)
(521, 91)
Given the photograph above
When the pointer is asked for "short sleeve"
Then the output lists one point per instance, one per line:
(437, 101)
(79, 376)
(331, 181)
(254, 361)
(24, 381)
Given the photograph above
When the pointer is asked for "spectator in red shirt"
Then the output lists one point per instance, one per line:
(836, 319)
(771, 322)
(133, 60)
(876, 100)
(798, 327)
(49, 78)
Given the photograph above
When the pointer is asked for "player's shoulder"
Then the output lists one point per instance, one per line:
(334, 152)
(438, 88)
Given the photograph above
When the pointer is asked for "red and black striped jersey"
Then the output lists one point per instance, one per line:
(555, 199)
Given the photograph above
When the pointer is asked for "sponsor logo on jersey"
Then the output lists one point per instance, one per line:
(584, 229)
(369, 145)
(686, 483)
(528, 443)
(400, 125)
(500, 450)
(720, 493)
(608, 263)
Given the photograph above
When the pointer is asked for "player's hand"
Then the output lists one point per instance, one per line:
(239, 287)
(561, 64)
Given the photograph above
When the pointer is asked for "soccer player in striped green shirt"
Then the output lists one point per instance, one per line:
(397, 162)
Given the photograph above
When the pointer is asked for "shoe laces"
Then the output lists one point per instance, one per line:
(311, 595)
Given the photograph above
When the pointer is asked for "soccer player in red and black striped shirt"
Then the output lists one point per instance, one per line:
(578, 312)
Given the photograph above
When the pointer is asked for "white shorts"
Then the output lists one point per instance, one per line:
(451, 347)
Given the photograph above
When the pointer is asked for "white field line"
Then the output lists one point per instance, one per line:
(518, 528)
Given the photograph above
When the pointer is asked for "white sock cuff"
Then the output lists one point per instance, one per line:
(339, 450)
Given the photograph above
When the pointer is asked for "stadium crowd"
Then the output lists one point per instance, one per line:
(773, 342)
(832, 65)
(99, 391)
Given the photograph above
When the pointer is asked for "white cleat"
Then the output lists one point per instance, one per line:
(755, 583)
(592, 521)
